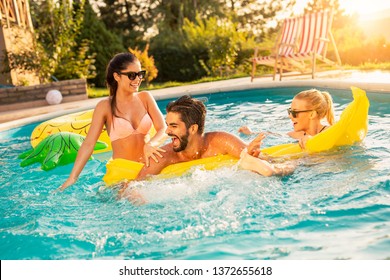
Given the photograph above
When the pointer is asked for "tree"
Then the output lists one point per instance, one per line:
(172, 13)
(147, 63)
(218, 38)
(131, 19)
(103, 42)
(254, 15)
(57, 26)
(173, 60)
(315, 5)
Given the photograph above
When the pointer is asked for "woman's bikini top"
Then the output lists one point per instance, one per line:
(121, 128)
(322, 129)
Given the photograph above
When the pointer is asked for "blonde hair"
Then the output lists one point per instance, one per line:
(321, 102)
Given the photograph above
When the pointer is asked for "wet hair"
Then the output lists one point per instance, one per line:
(117, 64)
(191, 110)
(320, 101)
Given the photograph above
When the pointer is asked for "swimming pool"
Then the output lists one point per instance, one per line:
(334, 206)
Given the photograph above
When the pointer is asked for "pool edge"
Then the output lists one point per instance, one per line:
(211, 88)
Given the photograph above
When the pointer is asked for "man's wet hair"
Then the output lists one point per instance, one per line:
(191, 110)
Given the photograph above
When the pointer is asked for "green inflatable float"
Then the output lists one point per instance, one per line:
(56, 150)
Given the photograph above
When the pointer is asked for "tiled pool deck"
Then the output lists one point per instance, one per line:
(377, 81)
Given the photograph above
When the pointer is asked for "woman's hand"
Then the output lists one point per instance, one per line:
(254, 146)
(152, 152)
(245, 130)
(285, 169)
(70, 181)
(132, 194)
(302, 141)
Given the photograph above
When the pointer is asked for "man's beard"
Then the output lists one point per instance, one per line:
(183, 142)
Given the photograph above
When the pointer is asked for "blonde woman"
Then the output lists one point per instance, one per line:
(308, 109)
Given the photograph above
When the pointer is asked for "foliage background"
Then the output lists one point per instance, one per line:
(179, 40)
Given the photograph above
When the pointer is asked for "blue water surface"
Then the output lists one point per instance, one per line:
(336, 205)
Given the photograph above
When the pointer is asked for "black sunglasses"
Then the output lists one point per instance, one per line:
(133, 75)
(294, 114)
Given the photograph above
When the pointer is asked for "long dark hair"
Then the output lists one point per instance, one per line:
(117, 64)
(191, 110)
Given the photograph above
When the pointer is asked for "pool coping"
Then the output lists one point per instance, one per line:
(207, 88)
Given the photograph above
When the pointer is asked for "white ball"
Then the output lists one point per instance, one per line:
(53, 97)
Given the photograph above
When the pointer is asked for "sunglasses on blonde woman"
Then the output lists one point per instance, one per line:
(133, 75)
(294, 114)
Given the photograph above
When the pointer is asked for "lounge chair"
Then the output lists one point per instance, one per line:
(315, 36)
(285, 45)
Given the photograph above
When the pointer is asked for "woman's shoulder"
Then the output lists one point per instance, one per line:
(145, 95)
(147, 99)
(296, 134)
(103, 105)
(105, 102)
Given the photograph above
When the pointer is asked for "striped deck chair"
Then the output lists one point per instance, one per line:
(315, 36)
(286, 44)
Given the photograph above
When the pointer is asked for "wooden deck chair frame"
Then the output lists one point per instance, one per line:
(315, 36)
(286, 44)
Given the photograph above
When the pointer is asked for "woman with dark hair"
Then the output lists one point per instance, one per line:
(128, 116)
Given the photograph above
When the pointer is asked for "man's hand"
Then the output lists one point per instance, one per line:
(132, 194)
(254, 146)
(245, 130)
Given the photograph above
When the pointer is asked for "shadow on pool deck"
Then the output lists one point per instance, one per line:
(15, 118)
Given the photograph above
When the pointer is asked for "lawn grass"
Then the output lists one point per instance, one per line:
(94, 92)
(385, 66)
(101, 92)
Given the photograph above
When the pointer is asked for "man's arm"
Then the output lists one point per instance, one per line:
(263, 167)
(234, 146)
(257, 165)
(226, 144)
(155, 168)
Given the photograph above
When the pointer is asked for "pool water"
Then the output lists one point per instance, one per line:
(336, 205)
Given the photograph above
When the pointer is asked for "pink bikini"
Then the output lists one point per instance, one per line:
(121, 128)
